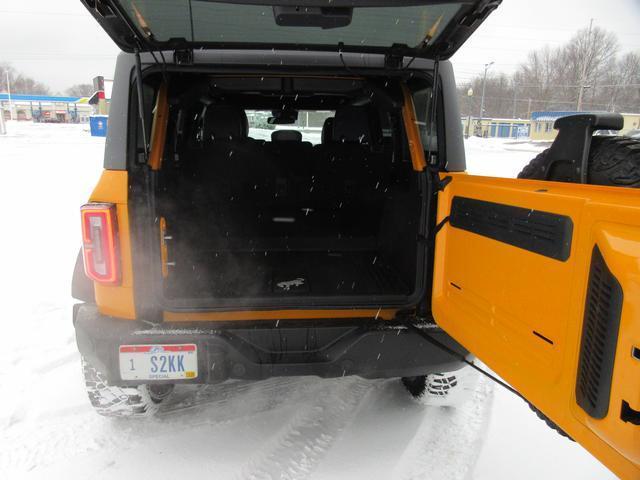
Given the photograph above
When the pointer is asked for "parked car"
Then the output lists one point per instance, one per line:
(213, 250)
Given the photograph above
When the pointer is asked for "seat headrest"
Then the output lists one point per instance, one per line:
(224, 123)
(286, 136)
(356, 125)
(327, 131)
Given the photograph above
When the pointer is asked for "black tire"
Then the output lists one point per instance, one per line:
(440, 385)
(613, 161)
(441, 389)
(112, 401)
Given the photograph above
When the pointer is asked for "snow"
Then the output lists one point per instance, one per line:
(288, 428)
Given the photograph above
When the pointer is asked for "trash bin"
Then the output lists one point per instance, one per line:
(98, 125)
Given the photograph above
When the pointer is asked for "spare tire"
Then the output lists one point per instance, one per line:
(613, 161)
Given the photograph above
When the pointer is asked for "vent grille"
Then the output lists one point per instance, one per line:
(545, 233)
(599, 338)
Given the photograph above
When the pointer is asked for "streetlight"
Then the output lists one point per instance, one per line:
(484, 84)
(468, 129)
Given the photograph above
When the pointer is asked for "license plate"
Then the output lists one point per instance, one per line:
(158, 362)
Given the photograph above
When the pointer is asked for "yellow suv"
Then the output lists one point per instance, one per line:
(284, 194)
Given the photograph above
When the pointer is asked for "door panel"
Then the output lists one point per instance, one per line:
(516, 265)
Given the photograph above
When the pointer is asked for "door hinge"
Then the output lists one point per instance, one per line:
(442, 184)
(100, 7)
(183, 57)
(480, 13)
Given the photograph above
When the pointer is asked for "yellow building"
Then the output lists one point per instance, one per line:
(542, 123)
(631, 122)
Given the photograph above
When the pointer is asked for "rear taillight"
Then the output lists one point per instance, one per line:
(100, 242)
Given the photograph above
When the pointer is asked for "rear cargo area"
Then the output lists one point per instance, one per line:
(321, 211)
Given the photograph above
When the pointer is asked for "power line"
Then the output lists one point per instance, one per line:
(39, 12)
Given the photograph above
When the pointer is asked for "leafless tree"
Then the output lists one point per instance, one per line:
(80, 90)
(20, 83)
(552, 79)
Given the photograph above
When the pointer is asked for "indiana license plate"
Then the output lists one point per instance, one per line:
(158, 362)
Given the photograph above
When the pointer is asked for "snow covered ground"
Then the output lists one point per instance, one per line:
(289, 428)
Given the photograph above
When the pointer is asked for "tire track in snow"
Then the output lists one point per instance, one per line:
(447, 444)
(295, 450)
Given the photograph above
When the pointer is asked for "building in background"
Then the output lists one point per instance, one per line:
(45, 108)
(495, 127)
(542, 123)
(631, 122)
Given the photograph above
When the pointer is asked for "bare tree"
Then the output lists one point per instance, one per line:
(20, 83)
(585, 59)
(553, 79)
(80, 90)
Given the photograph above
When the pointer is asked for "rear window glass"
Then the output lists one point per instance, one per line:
(309, 124)
(202, 21)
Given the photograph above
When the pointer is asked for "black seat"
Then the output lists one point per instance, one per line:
(327, 131)
(352, 169)
(228, 179)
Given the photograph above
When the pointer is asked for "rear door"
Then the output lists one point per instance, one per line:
(408, 27)
(541, 280)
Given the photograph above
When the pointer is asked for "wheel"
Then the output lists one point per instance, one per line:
(112, 401)
(442, 389)
(612, 161)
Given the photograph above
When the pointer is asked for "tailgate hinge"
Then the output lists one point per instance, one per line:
(480, 13)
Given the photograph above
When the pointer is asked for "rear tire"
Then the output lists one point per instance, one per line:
(442, 389)
(613, 161)
(112, 401)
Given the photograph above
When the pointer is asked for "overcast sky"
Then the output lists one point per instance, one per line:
(59, 43)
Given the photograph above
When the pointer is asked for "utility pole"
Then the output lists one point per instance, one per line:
(515, 99)
(9, 94)
(484, 84)
(583, 75)
(3, 130)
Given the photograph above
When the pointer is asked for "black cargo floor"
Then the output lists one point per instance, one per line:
(278, 274)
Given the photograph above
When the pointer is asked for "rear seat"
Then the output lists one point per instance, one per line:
(352, 172)
(240, 194)
(226, 179)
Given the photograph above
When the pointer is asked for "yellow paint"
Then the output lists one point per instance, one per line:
(384, 314)
(505, 293)
(164, 254)
(411, 128)
(159, 128)
(117, 301)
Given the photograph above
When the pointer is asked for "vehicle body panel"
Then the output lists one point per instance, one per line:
(522, 312)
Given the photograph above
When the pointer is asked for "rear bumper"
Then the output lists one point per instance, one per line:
(264, 349)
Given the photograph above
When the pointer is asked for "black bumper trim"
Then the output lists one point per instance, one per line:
(260, 350)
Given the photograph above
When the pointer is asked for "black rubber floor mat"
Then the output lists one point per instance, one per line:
(229, 275)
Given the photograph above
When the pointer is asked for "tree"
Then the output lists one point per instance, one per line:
(20, 83)
(80, 90)
(553, 79)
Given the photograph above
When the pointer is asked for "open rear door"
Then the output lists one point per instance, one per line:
(541, 281)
